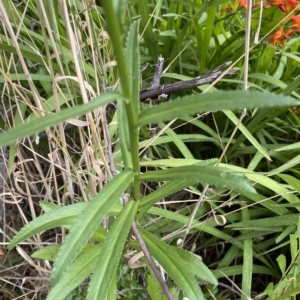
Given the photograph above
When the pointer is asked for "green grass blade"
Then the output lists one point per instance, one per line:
(167, 189)
(111, 252)
(88, 221)
(268, 222)
(247, 134)
(38, 125)
(216, 101)
(247, 260)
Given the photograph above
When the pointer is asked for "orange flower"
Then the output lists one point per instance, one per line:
(284, 5)
(279, 37)
(243, 3)
(295, 27)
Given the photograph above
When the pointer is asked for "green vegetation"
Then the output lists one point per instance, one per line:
(196, 196)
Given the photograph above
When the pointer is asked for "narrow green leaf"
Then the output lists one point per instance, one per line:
(247, 259)
(268, 222)
(216, 101)
(287, 166)
(173, 264)
(186, 153)
(112, 290)
(47, 253)
(61, 216)
(124, 135)
(79, 270)
(247, 134)
(167, 189)
(111, 252)
(292, 181)
(206, 175)
(293, 146)
(58, 217)
(87, 222)
(196, 265)
(273, 185)
(22, 76)
(154, 288)
(281, 260)
(132, 54)
(38, 125)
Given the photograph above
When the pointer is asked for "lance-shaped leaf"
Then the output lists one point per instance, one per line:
(87, 222)
(111, 252)
(174, 265)
(40, 124)
(62, 216)
(206, 175)
(216, 101)
(76, 274)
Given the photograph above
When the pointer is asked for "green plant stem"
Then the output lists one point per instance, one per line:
(115, 36)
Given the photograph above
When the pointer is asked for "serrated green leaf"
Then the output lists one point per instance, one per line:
(124, 134)
(58, 217)
(206, 175)
(111, 252)
(47, 253)
(87, 222)
(112, 290)
(196, 265)
(220, 100)
(48, 206)
(281, 260)
(173, 264)
(132, 54)
(38, 125)
(77, 273)
(154, 288)
(61, 216)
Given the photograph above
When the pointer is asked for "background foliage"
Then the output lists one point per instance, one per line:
(216, 207)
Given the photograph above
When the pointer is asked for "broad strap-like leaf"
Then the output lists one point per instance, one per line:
(216, 101)
(173, 265)
(87, 222)
(111, 252)
(218, 176)
(76, 274)
(38, 125)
